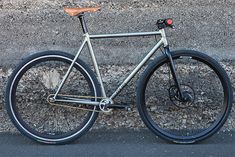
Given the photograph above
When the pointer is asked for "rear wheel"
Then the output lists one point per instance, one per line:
(205, 86)
(29, 88)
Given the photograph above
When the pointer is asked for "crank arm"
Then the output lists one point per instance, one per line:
(120, 106)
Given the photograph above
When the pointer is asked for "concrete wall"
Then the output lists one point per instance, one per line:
(36, 25)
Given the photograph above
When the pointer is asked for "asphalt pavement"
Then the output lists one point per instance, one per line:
(118, 143)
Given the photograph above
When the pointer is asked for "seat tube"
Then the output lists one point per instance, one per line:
(85, 31)
(95, 64)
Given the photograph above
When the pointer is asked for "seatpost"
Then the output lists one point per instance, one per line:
(83, 23)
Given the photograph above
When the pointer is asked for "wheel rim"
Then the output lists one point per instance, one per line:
(50, 132)
(177, 122)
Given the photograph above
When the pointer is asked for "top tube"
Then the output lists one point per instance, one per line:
(119, 35)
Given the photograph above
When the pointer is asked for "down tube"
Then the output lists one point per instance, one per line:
(139, 66)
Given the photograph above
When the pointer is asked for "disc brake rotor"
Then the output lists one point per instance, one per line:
(187, 93)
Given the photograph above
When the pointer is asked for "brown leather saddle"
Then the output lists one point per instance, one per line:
(77, 11)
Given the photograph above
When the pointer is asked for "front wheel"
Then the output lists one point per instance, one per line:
(204, 84)
(29, 88)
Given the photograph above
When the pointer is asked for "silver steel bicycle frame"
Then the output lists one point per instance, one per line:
(87, 41)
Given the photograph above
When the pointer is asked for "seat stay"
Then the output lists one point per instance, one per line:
(70, 68)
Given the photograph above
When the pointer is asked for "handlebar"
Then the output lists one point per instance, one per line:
(163, 23)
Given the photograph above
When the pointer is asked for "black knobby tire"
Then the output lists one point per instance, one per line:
(27, 93)
(207, 87)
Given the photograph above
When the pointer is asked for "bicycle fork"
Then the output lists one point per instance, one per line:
(173, 71)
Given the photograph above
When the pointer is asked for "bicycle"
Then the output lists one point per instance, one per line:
(183, 96)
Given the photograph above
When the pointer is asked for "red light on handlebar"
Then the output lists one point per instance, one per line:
(169, 22)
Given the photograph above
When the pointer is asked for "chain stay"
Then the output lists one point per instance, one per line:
(102, 105)
(73, 107)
